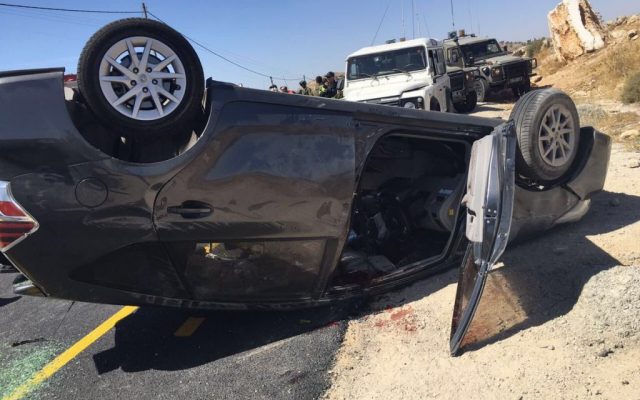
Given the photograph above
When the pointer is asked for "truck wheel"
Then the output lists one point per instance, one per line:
(521, 90)
(141, 78)
(548, 131)
(469, 104)
(481, 87)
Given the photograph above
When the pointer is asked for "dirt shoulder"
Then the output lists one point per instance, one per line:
(567, 324)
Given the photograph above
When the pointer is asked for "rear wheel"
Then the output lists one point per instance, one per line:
(141, 78)
(548, 130)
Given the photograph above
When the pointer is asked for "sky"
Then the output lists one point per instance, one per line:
(280, 38)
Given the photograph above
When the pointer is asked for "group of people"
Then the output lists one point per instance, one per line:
(325, 86)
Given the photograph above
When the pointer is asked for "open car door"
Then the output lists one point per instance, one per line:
(489, 202)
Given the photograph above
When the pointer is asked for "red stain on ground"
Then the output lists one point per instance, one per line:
(401, 313)
(401, 319)
(380, 323)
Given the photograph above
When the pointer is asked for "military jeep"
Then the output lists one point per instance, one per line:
(497, 68)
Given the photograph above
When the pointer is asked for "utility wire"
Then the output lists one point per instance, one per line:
(380, 24)
(75, 10)
(202, 46)
(67, 9)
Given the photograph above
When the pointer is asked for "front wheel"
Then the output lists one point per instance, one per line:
(548, 131)
(482, 88)
(468, 105)
(141, 78)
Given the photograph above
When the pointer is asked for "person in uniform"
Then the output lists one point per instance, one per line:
(320, 86)
(304, 89)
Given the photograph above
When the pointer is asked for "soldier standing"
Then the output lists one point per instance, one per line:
(320, 87)
(304, 89)
(332, 86)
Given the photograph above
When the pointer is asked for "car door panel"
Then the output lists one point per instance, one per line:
(489, 202)
(273, 185)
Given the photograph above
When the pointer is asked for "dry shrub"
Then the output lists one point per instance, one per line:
(631, 89)
(621, 61)
(548, 63)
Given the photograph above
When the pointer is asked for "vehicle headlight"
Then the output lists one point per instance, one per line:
(496, 72)
(413, 103)
(469, 76)
(409, 104)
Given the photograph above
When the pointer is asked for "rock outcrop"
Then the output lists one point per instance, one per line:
(575, 29)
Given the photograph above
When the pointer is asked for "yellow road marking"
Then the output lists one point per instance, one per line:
(48, 370)
(189, 326)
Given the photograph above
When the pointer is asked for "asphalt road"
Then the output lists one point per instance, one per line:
(252, 355)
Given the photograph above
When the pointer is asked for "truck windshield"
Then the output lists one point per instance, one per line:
(484, 49)
(386, 63)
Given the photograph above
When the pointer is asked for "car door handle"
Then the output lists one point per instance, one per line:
(191, 209)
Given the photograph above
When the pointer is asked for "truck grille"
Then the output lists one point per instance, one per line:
(514, 70)
(457, 81)
(386, 101)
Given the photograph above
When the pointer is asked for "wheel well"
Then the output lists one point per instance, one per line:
(434, 104)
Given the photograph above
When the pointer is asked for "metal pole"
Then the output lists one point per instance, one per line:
(402, 13)
(144, 10)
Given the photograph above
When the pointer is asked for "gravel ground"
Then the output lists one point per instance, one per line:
(561, 313)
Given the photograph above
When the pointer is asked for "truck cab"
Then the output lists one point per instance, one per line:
(407, 73)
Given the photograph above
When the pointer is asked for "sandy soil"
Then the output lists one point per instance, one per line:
(564, 322)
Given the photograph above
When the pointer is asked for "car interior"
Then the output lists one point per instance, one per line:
(405, 208)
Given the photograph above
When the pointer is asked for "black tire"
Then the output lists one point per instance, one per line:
(189, 107)
(482, 88)
(469, 104)
(521, 90)
(528, 115)
(434, 105)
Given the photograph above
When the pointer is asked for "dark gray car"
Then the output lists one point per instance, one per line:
(279, 201)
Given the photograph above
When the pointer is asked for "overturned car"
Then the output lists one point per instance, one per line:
(272, 200)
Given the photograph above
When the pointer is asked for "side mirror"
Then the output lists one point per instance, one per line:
(340, 84)
(505, 48)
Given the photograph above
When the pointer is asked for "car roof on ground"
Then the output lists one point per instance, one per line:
(396, 46)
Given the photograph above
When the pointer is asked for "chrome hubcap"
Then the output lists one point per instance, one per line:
(142, 78)
(556, 141)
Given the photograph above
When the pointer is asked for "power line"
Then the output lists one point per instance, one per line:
(67, 9)
(202, 46)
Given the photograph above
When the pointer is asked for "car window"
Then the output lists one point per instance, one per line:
(455, 57)
(440, 63)
(437, 57)
(385, 63)
(483, 49)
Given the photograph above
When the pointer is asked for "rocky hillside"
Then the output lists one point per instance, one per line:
(596, 79)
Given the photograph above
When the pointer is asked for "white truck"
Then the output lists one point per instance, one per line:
(410, 74)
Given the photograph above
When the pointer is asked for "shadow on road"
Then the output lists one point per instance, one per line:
(8, 300)
(146, 340)
(542, 278)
